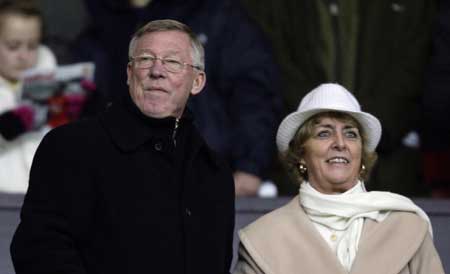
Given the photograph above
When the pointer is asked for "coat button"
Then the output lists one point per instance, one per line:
(158, 146)
(188, 212)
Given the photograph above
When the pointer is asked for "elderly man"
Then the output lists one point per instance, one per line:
(135, 190)
(239, 107)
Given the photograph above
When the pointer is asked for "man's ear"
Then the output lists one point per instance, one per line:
(199, 82)
(129, 68)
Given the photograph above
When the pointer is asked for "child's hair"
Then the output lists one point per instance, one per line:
(27, 8)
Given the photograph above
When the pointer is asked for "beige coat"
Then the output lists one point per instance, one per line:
(286, 242)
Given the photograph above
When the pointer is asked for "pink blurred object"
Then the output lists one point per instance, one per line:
(26, 115)
(73, 105)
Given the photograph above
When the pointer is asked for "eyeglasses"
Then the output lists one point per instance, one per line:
(171, 65)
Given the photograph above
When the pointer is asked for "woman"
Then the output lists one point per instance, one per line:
(334, 225)
(20, 49)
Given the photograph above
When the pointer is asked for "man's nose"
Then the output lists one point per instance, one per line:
(157, 69)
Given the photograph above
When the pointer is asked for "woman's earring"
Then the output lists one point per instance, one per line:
(302, 168)
(363, 170)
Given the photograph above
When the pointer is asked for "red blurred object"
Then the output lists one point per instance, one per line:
(436, 166)
(65, 108)
(56, 114)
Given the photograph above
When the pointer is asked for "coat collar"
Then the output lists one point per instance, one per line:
(377, 238)
(129, 128)
(290, 241)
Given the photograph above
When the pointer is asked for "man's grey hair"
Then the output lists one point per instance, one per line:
(197, 50)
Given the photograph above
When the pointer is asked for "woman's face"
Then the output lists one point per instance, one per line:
(19, 41)
(333, 155)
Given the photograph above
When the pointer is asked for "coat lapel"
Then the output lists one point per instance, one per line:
(286, 242)
(388, 246)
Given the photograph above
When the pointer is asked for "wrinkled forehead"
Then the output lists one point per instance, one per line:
(163, 42)
(348, 120)
(307, 129)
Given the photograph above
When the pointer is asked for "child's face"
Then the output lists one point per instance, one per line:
(19, 40)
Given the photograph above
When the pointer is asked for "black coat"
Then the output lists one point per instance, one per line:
(114, 195)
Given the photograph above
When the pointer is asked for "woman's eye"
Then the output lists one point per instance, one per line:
(351, 134)
(323, 133)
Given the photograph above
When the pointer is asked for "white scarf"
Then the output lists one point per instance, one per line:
(346, 212)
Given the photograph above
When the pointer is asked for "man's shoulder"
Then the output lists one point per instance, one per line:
(75, 128)
(74, 134)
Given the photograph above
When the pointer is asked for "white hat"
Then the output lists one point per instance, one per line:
(328, 97)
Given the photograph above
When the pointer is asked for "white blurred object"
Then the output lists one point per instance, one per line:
(46, 60)
(84, 70)
(41, 84)
(411, 140)
(267, 190)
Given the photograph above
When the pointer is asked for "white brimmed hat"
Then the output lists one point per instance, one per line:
(328, 97)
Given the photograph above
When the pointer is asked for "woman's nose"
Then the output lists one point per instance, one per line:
(339, 142)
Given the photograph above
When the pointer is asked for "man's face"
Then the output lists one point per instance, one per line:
(157, 92)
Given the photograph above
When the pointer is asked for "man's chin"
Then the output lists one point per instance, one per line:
(155, 112)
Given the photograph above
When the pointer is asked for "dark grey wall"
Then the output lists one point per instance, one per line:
(9, 218)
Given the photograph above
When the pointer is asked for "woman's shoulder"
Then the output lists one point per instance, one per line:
(406, 217)
(405, 220)
(397, 225)
(402, 231)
